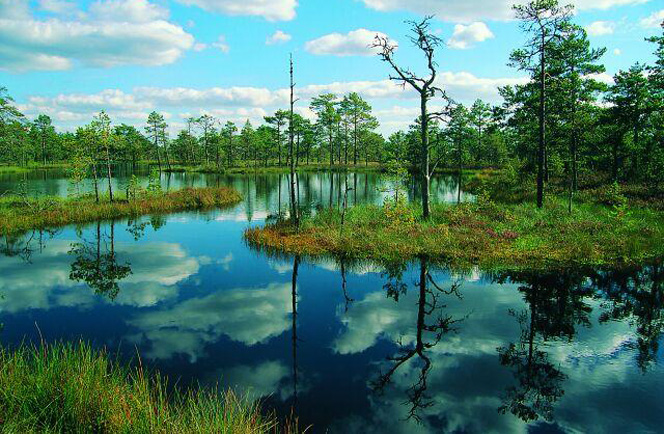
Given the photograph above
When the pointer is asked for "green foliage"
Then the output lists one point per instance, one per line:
(75, 388)
(154, 182)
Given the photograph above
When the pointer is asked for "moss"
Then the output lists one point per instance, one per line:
(484, 234)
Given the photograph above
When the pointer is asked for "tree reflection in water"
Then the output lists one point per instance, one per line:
(635, 294)
(428, 334)
(25, 245)
(98, 267)
(555, 309)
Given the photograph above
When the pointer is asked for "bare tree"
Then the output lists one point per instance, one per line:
(291, 136)
(424, 39)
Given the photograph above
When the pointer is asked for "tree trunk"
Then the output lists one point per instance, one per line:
(291, 139)
(425, 154)
(108, 172)
(542, 130)
(96, 182)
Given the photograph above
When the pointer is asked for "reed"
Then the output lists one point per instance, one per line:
(71, 387)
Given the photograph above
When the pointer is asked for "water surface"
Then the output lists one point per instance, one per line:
(352, 347)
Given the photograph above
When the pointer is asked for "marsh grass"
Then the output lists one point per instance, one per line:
(70, 387)
(251, 169)
(482, 233)
(19, 214)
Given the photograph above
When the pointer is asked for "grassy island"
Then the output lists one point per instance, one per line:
(19, 214)
(484, 233)
(74, 388)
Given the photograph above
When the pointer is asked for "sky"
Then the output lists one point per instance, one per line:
(229, 58)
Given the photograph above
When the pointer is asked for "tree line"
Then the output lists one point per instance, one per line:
(344, 133)
(562, 123)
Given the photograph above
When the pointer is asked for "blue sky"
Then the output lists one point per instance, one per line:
(228, 58)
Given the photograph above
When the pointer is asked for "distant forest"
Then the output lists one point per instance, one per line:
(590, 127)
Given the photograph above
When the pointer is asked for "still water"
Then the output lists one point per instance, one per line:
(354, 348)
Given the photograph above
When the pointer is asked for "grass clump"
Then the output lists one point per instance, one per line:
(74, 388)
(484, 233)
(19, 213)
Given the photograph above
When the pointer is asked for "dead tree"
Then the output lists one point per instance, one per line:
(424, 39)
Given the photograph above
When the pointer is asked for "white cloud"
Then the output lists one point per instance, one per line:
(355, 43)
(271, 10)
(57, 6)
(199, 46)
(139, 36)
(603, 77)
(157, 268)
(238, 103)
(653, 20)
(135, 11)
(252, 316)
(617, 51)
(221, 44)
(599, 28)
(467, 36)
(278, 37)
(211, 97)
(476, 10)
(107, 99)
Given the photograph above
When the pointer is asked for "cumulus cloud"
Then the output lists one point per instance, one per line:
(210, 97)
(251, 316)
(599, 28)
(122, 32)
(271, 10)
(476, 10)
(257, 381)
(221, 44)
(395, 105)
(467, 36)
(14, 9)
(278, 37)
(157, 268)
(57, 6)
(137, 11)
(355, 43)
(199, 46)
(654, 20)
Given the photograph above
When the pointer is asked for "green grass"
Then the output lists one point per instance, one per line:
(260, 169)
(74, 388)
(19, 214)
(13, 169)
(32, 166)
(484, 234)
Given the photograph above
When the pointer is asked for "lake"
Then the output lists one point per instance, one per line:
(352, 347)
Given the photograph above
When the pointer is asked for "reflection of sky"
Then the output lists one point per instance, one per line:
(200, 305)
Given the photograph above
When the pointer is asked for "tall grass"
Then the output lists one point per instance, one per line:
(73, 388)
(20, 214)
